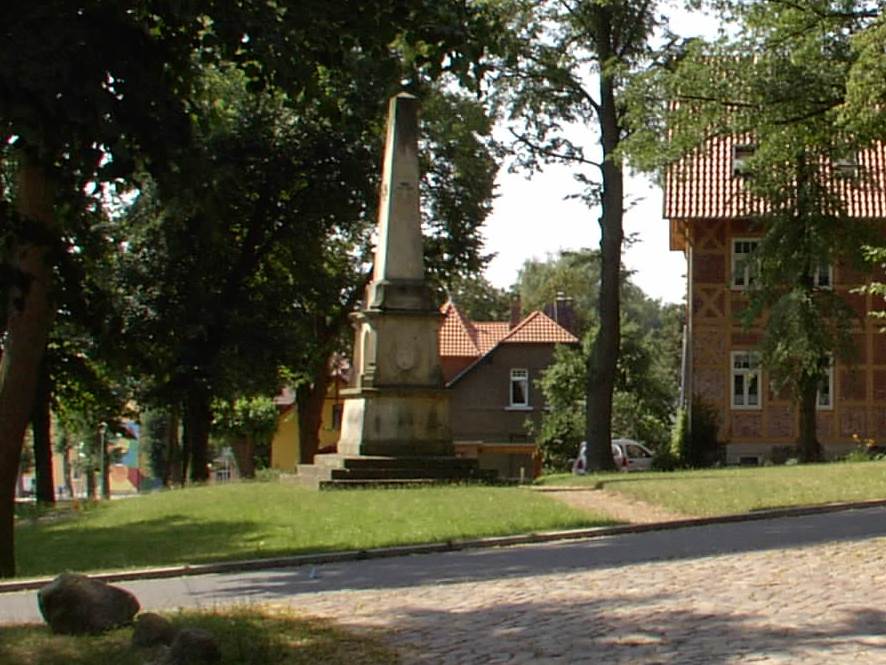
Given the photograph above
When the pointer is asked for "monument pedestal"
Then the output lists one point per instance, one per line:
(396, 422)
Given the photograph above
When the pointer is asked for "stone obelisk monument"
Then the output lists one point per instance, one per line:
(398, 405)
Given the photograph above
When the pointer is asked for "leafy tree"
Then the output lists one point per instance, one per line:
(571, 68)
(781, 82)
(160, 436)
(643, 402)
(247, 424)
(92, 90)
(576, 274)
(478, 299)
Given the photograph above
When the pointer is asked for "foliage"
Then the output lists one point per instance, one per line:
(643, 401)
(247, 635)
(100, 96)
(576, 274)
(252, 418)
(478, 299)
(694, 442)
(235, 521)
(155, 437)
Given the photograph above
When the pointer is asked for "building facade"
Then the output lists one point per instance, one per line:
(710, 216)
(491, 370)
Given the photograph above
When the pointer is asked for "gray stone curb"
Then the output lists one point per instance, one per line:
(447, 546)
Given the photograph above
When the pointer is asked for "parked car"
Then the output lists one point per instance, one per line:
(630, 455)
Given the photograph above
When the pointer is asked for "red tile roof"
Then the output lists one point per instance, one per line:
(703, 186)
(539, 328)
(462, 338)
(458, 336)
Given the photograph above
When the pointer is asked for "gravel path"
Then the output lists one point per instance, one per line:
(612, 504)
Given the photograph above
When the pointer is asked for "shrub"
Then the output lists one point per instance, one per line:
(694, 443)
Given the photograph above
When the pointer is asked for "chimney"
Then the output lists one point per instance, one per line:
(564, 312)
(516, 313)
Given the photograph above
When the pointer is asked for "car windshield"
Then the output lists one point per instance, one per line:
(636, 451)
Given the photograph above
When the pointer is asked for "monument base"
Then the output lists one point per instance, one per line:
(396, 422)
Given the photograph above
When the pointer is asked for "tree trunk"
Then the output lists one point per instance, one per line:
(91, 487)
(808, 444)
(105, 459)
(309, 403)
(41, 428)
(67, 472)
(198, 418)
(186, 447)
(172, 470)
(603, 359)
(244, 453)
(28, 324)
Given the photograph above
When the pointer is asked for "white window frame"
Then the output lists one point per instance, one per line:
(749, 369)
(847, 166)
(823, 268)
(828, 380)
(519, 376)
(741, 153)
(745, 265)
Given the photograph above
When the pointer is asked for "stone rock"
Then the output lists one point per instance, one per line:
(193, 646)
(75, 605)
(151, 630)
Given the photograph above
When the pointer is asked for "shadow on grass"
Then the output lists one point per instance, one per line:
(49, 549)
(246, 635)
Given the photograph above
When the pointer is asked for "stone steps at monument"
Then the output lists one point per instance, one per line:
(338, 461)
(330, 471)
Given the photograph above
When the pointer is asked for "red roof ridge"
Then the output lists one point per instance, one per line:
(538, 327)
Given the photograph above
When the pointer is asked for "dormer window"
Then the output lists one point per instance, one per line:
(847, 166)
(741, 155)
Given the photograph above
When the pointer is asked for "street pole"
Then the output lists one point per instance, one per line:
(103, 461)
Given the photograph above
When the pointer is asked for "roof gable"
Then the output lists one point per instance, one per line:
(538, 328)
(457, 335)
(461, 338)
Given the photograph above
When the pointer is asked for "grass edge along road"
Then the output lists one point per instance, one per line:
(246, 635)
(266, 519)
(733, 490)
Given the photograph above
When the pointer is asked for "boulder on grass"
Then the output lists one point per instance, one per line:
(193, 646)
(77, 605)
(151, 630)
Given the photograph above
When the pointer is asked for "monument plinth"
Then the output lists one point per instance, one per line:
(396, 424)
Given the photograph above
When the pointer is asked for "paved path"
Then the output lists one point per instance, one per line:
(794, 590)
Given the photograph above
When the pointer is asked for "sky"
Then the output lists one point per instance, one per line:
(532, 219)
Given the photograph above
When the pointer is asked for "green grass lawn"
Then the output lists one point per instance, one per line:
(246, 636)
(707, 492)
(248, 520)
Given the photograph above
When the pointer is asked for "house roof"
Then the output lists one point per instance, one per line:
(458, 335)
(462, 338)
(703, 185)
(538, 327)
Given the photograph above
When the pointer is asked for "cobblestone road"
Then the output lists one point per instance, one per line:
(816, 604)
(796, 590)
